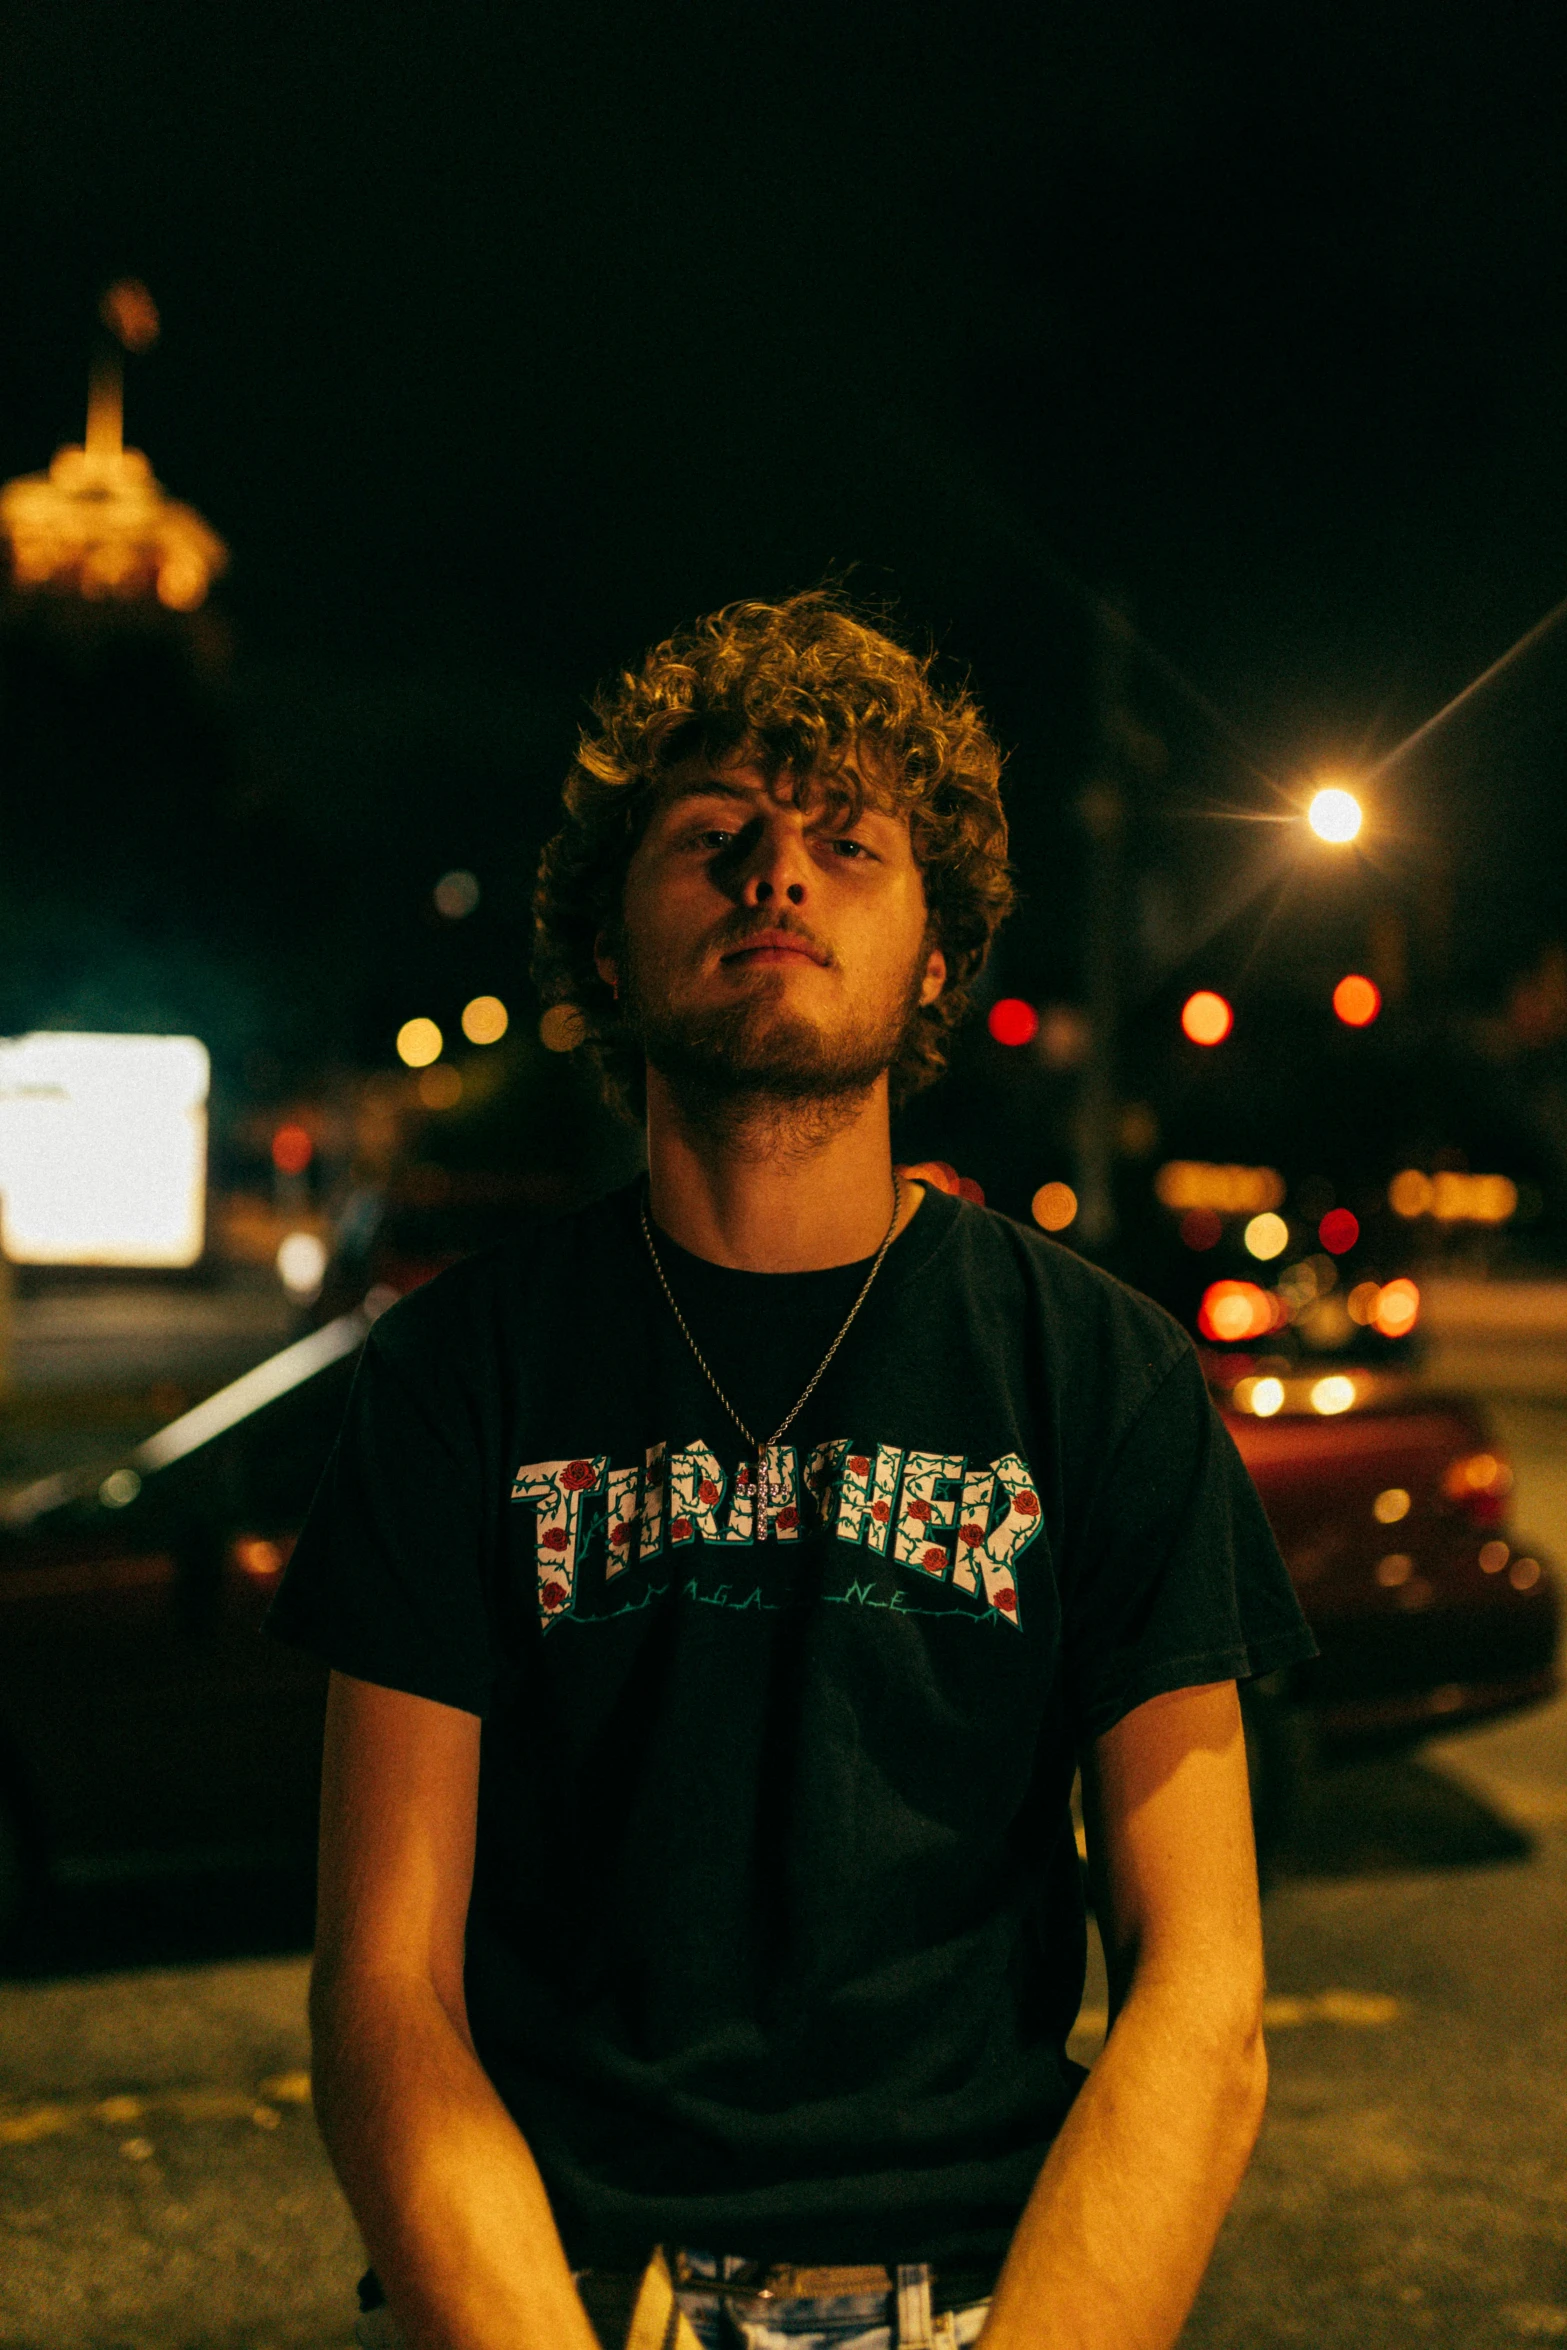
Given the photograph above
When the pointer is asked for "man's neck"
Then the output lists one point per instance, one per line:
(786, 1190)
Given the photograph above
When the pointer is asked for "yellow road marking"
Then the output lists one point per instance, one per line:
(286, 2089)
(40, 2121)
(24, 2125)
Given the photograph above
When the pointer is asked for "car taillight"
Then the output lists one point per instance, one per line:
(259, 1558)
(1479, 1483)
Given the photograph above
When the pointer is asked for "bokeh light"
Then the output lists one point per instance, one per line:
(562, 1028)
(1011, 1021)
(292, 1150)
(1206, 1018)
(1409, 1194)
(1357, 1000)
(1234, 1310)
(1481, 1481)
(1266, 1236)
(1397, 1309)
(301, 1266)
(1266, 1397)
(485, 1020)
(1391, 1505)
(1336, 1393)
(1338, 1231)
(440, 1088)
(1455, 1198)
(419, 1043)
(1233, 1191)
(1064, 1036)
(1201, 1228)
(456, 894)
(1335, 815)
(1054, 1206)
(130, 314)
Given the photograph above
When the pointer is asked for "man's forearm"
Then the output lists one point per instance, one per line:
(1114, 2240)
(448, 2198)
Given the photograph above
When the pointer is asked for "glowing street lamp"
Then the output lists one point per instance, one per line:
(1335, 815)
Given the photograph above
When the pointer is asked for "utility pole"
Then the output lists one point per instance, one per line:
(1102, 813)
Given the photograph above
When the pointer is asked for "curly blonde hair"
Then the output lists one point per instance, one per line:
(800, 687)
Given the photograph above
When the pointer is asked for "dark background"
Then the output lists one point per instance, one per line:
(497, 340)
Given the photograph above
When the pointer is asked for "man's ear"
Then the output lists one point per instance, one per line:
(935, 978)
(605, 964)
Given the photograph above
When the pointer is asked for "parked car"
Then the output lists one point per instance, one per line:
(1391, 1506)
(145, 1721)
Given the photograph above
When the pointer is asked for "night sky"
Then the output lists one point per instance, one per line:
(499, 339)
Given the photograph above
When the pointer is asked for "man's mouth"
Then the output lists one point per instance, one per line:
(774, 946)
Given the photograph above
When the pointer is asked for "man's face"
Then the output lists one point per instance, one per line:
(768, 948)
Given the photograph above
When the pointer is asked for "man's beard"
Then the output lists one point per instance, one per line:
(754, 1064)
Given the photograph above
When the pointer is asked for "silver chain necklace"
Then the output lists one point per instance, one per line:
(762, 1450)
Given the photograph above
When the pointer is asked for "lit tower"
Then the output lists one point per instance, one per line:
(98, 525)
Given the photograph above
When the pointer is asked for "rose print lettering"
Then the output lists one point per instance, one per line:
(924, 1532)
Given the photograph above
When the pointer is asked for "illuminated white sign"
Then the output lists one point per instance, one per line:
(103, 1149)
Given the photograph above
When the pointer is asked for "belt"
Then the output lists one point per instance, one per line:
(756, 2280)
(781, 2280)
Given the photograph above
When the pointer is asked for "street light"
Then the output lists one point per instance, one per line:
(1335, 815)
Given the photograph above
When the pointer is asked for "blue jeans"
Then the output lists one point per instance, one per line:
(902, 2320)
(743, 2321)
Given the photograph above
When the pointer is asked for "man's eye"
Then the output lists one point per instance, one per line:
(852, 851)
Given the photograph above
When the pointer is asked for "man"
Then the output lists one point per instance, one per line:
(721, 1586)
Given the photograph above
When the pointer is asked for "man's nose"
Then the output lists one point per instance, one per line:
(776, 868)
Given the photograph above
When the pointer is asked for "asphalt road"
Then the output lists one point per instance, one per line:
(162, 2186)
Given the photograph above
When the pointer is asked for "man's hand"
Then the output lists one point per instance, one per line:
(1118, 2231)
(447, 2196)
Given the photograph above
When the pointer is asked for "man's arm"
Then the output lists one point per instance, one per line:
(447, 2196)
(1114, 2240)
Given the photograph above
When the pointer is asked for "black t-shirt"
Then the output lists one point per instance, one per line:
(777, 1930)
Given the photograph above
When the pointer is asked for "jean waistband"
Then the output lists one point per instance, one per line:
(728, 2276)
